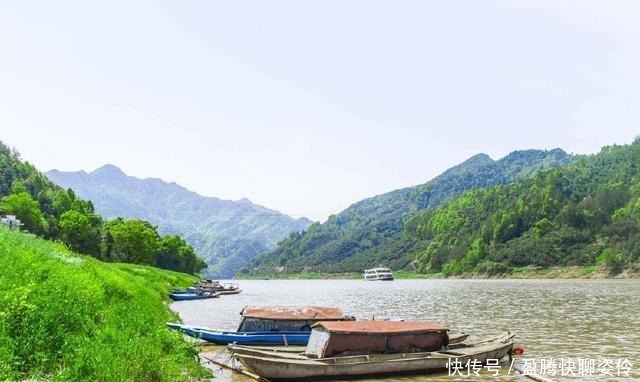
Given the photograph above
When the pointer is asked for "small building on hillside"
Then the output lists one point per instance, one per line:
(10, 221)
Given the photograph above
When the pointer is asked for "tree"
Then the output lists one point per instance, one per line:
(177, 255)
(132, 241)
(26, 209)
(76, 231)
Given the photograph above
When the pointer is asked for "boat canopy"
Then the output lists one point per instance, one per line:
(286, 318)
(329, 339)
(293, 313)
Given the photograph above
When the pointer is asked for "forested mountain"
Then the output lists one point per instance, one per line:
(56, 213)
(369, 232)
(225, 233)
(581, 214)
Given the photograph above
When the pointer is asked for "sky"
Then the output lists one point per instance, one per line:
(309, 106)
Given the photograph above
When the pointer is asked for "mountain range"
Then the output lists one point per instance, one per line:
(583, 214)
(225, 233)
(370, 232)
(240, 237)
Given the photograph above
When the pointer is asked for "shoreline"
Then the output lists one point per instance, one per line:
(527, 273)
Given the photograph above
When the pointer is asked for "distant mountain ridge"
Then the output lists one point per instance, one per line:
(369, 232)
(583, 214)
(225, 233)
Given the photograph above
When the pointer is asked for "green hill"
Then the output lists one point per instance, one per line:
(369, 232)
(226, 233)
(55, 213)
(585, 213)
(68, 317)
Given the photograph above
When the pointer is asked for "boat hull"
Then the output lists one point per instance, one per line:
(230, 291)
(296, 367)
(244, 338)
(191, 296)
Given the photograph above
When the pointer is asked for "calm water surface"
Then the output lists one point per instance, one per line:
(552, 318)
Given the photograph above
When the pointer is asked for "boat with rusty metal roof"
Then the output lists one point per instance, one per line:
(370, 348)
(268, 325)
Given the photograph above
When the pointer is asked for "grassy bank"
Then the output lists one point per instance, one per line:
(67, 317)
(573, 272)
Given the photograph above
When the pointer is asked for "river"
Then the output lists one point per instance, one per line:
(559, 319)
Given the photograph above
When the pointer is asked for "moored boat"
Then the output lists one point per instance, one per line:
(361, 366)
(228, 288)
(365, 349)
(185, 296)
(299, 350)
(184, 291)
(272, 325)
(255, 338)
(204, 289)
(287, 318)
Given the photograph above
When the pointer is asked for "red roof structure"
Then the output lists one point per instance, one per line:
(297, 313)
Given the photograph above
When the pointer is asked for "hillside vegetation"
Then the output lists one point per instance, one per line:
(227, 234)
(370, 232)
(585, 213)
(55, 213)
(68, 317)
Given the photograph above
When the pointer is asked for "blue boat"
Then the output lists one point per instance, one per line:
(192, 296)
(243, 338)
(184, 291)
(268, 325)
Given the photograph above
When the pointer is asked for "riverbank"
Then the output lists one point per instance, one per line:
(568, 272)
(339, 276)
(64, 316)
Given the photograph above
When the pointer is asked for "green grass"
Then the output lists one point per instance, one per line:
(67, 317)
(586, 271)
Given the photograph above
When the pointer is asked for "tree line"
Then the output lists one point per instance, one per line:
(54, 213)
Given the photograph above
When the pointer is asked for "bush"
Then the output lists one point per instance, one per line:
(453, 267)
(611, 259)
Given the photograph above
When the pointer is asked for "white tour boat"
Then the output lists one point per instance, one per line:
(383, 274)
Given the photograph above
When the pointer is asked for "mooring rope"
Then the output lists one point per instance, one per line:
(224, 364)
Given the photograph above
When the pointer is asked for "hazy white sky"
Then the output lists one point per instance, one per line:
(309, 106)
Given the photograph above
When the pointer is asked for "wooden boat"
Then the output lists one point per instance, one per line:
(275, 351)
(270, 325)
(184, 296)
(266, 350)
(183, 291)
(228, 288)
(258, 338)
(369, 348)
(306, 368)
(208, 286)
(287, 318)
(457, 338)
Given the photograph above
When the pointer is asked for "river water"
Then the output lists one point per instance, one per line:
(562, 320)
